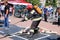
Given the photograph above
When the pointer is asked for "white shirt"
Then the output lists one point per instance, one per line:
(2, 7)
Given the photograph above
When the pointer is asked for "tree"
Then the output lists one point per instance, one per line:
(51, 2)
(34, 2)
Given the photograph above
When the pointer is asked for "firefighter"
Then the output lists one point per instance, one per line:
(36, 17)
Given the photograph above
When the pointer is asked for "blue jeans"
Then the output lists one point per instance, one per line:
(6, 23)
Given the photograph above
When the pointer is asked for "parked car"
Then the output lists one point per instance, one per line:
(19, 10)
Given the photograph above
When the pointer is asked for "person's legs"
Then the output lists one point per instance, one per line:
(34, 28)
(2, 12)
(0, 15)
(45, 17)
(6, 24)
(34, 25)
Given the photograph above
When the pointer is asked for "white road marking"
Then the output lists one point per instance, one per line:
(42, 37)
(1, 32)
(15, 32)
(12, 35)
(47, 35)
(44, 34)
(18, 36)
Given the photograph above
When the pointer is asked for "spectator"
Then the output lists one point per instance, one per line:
(58, 10)
(6, 23)
(50, 11)
(11, 10)
(45, 13)
(2, 9)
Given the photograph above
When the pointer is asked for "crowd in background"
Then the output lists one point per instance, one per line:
(49, 13)
(52, 14)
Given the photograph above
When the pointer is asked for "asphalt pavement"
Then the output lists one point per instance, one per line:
(13, 30)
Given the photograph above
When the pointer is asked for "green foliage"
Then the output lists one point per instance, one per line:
(51, 2)
(34, 2)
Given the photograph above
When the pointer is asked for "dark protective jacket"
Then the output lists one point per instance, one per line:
(35, 14)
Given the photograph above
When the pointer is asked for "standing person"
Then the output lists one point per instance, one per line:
(58, 11)
(6, 23)
(59, 16)
(45, 13)
(2, 9)
(11, 10)
(50, 11)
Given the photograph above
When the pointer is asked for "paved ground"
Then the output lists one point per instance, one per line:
(14, 36)
(16, 25)
(44, 25)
